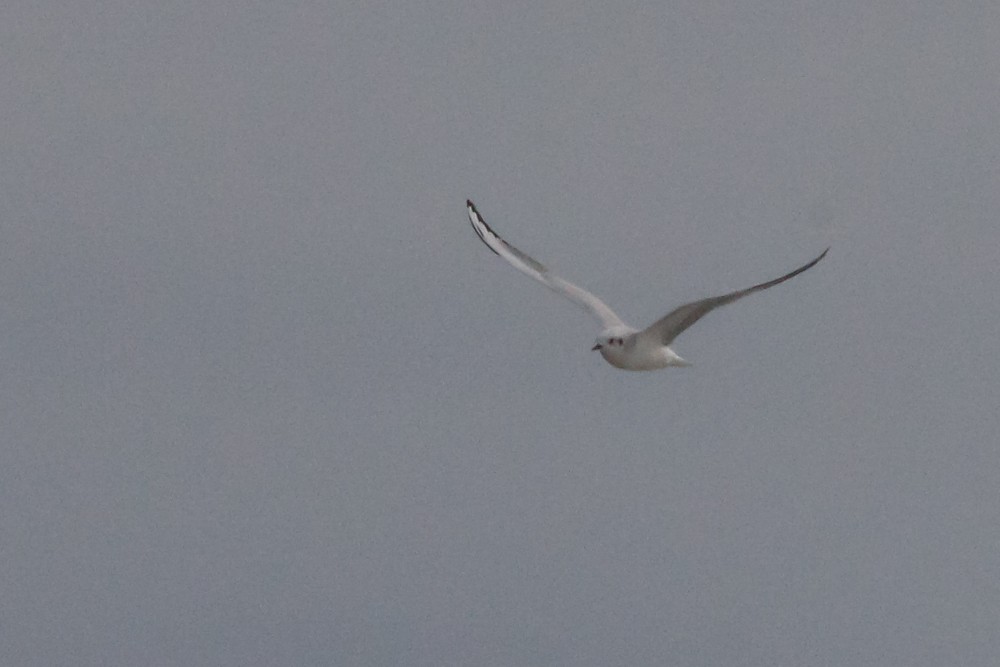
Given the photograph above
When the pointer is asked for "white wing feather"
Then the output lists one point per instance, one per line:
(531, 267)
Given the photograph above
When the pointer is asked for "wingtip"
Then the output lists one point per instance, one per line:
(473, 211)
(817, 260)
(474, 214)
(478, 223)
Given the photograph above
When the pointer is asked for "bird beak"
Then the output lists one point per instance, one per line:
(596, 347)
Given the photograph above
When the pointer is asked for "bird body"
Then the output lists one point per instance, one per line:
(621, 345)
(624, 347)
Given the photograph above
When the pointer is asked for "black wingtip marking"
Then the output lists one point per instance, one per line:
(534, 264)
(472, 208)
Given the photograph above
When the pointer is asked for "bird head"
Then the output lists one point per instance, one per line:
(611, 339)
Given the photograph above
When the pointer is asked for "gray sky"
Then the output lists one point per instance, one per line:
(268, 400)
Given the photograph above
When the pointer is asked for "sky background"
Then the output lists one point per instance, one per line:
(266, 399)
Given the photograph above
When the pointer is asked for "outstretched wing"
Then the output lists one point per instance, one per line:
(667, 328)
(529, 266)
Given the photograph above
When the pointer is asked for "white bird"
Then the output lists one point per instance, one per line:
(621, 345)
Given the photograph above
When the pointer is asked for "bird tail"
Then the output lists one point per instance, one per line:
(675, 359)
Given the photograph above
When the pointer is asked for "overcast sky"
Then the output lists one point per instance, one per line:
(267, 400)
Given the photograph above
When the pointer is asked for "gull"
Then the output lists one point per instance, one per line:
(621, 345)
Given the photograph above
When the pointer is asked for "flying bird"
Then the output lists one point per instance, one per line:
(621, 345)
